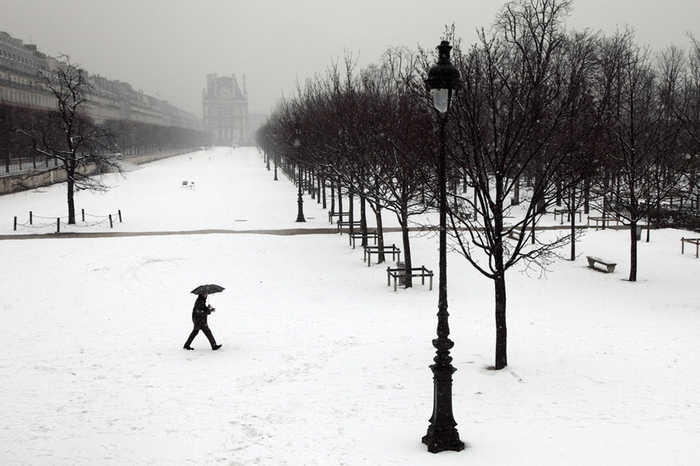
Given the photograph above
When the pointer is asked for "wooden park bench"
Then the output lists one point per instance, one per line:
(342, 225)
(358, 235)
(695, 241)
(561, 213)
(187, 184)
(340, 216)
(369, 250)
(400, 273)
(609, 266)
(604, 220)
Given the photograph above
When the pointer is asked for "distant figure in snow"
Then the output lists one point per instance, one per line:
(199, 317)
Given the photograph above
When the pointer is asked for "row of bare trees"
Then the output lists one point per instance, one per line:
(543, 118)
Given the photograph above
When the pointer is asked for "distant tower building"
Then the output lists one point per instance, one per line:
(225, 107)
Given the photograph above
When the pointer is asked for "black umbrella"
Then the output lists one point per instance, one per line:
(207, 289)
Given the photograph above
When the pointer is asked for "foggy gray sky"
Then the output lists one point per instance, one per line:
(166, 47)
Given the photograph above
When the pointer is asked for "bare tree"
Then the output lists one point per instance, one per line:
(69, 136)
(638, 111)
(516, 94)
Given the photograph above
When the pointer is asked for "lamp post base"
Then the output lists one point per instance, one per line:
(442, 434)
(438, 440)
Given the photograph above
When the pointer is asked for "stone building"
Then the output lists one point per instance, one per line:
(21, 86)
(225, 110)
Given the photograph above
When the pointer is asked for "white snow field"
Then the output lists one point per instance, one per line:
(322, 363)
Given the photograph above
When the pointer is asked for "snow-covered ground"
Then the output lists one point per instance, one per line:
(322, 363)
(232, 190)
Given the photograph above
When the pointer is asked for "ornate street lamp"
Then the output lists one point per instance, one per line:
(442, 82)
(300, 200)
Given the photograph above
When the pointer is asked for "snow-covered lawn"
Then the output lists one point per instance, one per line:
(232, 191)
(322, 363)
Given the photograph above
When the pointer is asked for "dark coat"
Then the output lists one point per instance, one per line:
(200, 311)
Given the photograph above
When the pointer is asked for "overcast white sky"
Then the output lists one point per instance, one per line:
(166, 47)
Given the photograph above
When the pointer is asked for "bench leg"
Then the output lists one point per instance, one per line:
(431, 283)
(394, 283)
(388, 278)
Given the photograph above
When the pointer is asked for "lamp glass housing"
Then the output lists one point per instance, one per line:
(441, 99)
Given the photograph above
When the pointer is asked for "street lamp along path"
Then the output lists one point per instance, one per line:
(442, 82)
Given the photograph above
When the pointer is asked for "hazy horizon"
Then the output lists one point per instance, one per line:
(167, 47)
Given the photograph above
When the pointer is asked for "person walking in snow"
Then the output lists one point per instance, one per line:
(200, 311)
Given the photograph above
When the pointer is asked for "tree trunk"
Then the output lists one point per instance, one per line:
(312, 184)
(572, 214)
(648, 228)
(323, 187)
(318, 188)
(340, 201)
(586, 196)
(70, 183)
(633, 251)
(605, 203)
(351, 209)
(516, 192)
(648, 217)
(501, 329)
(332, 197)
(408, 280)
(558, 194)
(363, 219)
(380, 234)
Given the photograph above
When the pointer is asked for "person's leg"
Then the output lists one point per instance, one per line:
(193, 334)
(210, 337)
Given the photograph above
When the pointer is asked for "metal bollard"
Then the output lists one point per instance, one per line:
(120, 215)
(110, 220)
(15, 225)
(58, 224)
(31, 217)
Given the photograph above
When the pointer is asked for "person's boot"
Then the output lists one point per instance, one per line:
(187, 347)
(215, 347)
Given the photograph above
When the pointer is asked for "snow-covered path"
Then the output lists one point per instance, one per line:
(323, 364)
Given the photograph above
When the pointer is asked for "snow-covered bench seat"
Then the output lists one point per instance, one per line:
(609, 266)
